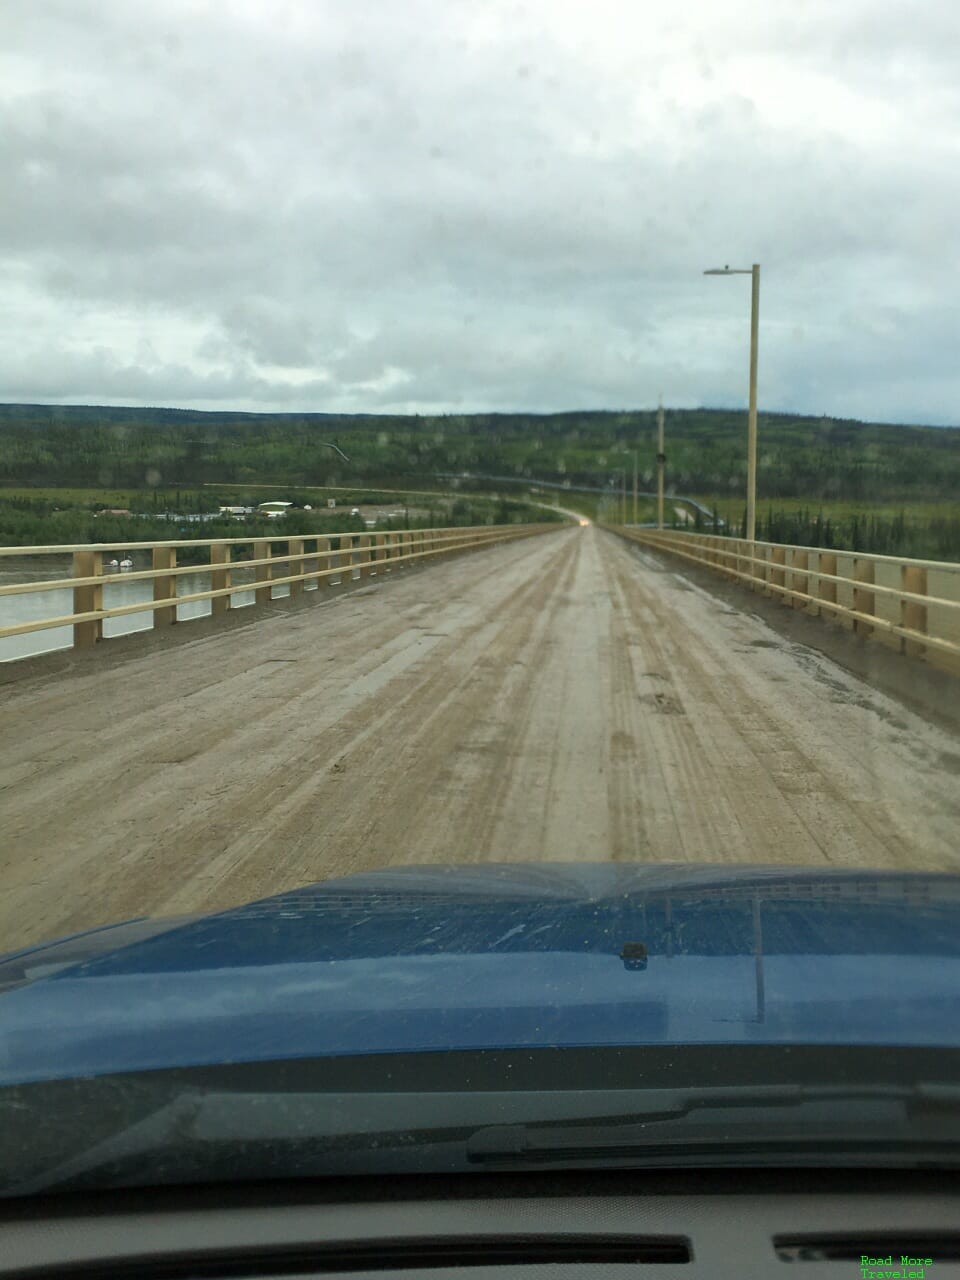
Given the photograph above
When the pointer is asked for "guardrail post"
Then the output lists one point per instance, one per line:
(827, 581)
(220, 579)
(724, 559)
(800, 582)
(912, 614)
(262, 573)
(165, 588)
(295, 548)
(764, 571)
(357, 557)
(751, 553)
(87, 564)
(323, 562)
(778, 556)
(367, 556)
(863, 601)
(336, 560)
(348, 542)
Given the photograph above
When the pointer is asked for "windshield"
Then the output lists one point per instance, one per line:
(479, 588)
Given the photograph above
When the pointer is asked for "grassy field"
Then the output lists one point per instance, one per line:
(595, 506)
(63, 516)
(925, 529)
(731, 510)
(209, 497)
(921, 526)
(914, 510)
(80, 497)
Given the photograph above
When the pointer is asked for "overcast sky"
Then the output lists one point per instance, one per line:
(455, 205)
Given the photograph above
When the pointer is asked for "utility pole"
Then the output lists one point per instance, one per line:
(634, 486)
(623, 495)
(661, 459)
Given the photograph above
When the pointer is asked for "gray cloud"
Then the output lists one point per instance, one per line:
(452, 205)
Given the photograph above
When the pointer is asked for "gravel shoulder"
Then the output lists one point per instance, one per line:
(563, 697)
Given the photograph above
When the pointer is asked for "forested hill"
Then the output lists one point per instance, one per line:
(798, 457)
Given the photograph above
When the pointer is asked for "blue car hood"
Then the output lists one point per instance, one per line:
(498, 956)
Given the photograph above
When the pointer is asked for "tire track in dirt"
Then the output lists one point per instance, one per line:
(402, 787)
(795, 765)
(204, 786)
(552, 699)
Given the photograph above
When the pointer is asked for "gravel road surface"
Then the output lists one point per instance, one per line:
(563, 697)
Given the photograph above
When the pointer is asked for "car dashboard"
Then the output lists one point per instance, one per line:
(660, 1223)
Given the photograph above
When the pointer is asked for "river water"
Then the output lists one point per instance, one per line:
(15, 609)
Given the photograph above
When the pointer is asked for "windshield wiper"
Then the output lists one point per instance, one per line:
(182, 1134)
(828, 1119)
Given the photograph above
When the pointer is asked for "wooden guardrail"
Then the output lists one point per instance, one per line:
(328, 560)
(911, 605)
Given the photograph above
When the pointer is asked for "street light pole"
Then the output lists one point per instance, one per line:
(661, 459)
(754, 272)
(752, 412)
(619, 481)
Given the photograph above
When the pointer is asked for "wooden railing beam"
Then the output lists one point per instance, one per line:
(298, 566)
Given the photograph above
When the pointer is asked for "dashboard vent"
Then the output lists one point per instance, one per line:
(939, 1246)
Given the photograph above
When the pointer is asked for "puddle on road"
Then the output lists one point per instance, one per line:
(843, 692)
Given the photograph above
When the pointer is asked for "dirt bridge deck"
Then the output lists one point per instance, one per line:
(561, 698)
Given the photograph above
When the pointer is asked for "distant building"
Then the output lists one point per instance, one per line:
(273, 509)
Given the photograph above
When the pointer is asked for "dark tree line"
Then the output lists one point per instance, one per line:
(926, 538)
(812, 458)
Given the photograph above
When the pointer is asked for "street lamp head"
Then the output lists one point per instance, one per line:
(729, 271)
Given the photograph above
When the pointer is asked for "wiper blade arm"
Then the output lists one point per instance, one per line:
(774, 1115)
(193, 1128)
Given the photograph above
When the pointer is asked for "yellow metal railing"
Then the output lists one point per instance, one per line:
(328, 560)
(913, 605)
